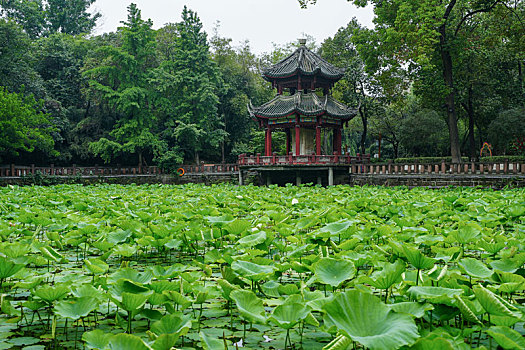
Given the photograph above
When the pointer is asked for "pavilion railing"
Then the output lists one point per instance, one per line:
(335, 159)
(471, 168)
(13, 170)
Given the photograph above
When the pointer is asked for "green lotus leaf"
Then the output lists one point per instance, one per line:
(75, 309)
(288, 315)
(491, 247)
(434, 343)
(506, 337)
(467, 233)
(52, 255)
(124, 341)
(334, 228)
(133, 302)
(467, 312)
(96, 266)
(165, 342)
(252, 240)
(96, 339)
(475, 268)
(414, 309)
(161, 286)
(504, 320)
(437, 274)
(177, 298)
(491, 302)
(125, 250)
(237, 227)
(172, 324)
(333, 271)
(8, 268)
(436, 295)
(220, 221)
(132, 275)
(50, 294)
(249, 305)
(386, 278)
(339, 343)
(418, 259)
(506, 265)
(118, 236)
(251, 270)
(366, 320)
(211, 343)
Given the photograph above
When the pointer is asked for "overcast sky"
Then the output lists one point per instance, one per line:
(259, 21)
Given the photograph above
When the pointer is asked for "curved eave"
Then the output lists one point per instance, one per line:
(306, 63)
(307, 105)
(318, 71)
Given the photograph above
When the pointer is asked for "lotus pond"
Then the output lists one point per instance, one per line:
(226, 267)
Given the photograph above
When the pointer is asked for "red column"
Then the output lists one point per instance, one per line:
(287, 141)
(297, 140)
(339, 140)
(268, 142)
(334, 140)
(318, 140)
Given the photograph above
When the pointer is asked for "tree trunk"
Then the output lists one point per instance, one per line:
(446, 58)
(470, 111)
(222, 153)
(520, 77)
(140, 161)
(364, 120)
(197, 160)
(396, 149)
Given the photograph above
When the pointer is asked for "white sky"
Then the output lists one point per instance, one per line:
(259, 21)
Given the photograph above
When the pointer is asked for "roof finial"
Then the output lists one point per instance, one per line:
(302, 42)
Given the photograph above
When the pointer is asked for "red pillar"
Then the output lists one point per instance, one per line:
(318, 140)
(297, 140)
(268, 142)
(287, 141)
(339, 140)
(334, 140)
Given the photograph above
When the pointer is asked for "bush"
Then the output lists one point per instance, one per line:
(506, 129)
(427, 160)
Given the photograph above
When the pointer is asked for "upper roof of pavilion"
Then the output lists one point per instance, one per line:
(304, 62)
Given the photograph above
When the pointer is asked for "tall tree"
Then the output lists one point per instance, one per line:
(186, 84)
(23, 126)
(424, 36)
(41, 18)
(120, 77)
(17, 61)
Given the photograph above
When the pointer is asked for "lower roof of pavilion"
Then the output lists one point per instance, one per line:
(303, 108)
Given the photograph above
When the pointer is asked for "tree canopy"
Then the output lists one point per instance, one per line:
(426, 75)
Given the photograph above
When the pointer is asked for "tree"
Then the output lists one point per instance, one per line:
(422, 133)
(70, 16)
(121, 79)
(242, 82)
(29, 14)
(506, 129)
(16, 61)
(23, 127)
(424, 35)
(41, 18)
(186, 84)
(358, 88)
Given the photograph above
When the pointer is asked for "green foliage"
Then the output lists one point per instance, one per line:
(424, 134)
(506, 128)
(23, 127)
(175, 261)
(121, 80)
(39, 18)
